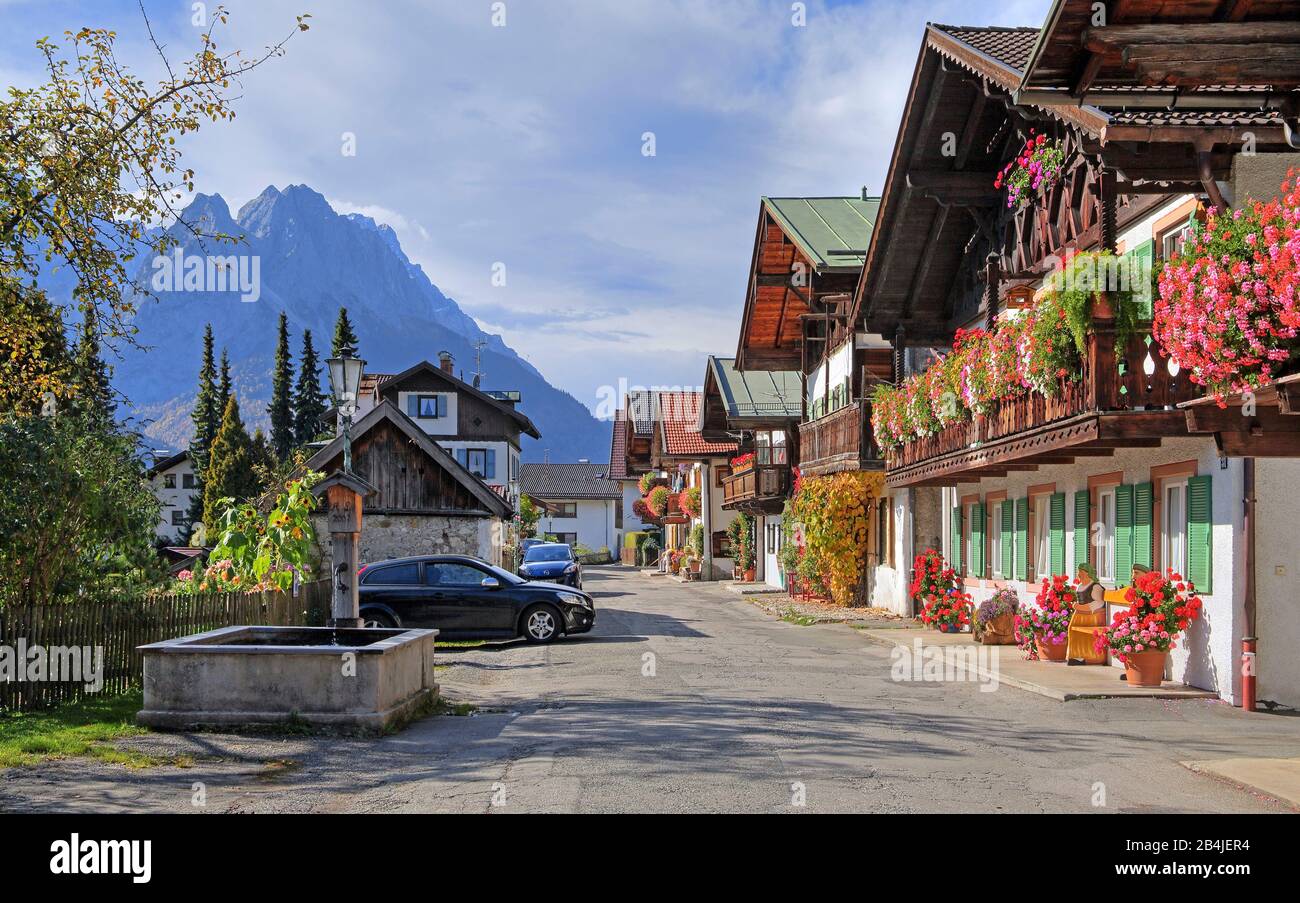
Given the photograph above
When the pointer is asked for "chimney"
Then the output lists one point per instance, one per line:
(445, 361)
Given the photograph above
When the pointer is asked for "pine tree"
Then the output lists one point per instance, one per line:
(230, 471)
(207, 420)
(281, 406)
(308, 401)
(224, 387)
(345, 338)
(94, 390)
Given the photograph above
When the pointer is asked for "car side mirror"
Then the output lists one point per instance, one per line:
(490, 583)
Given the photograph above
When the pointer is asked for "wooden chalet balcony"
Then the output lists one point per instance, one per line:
(1113, 405)
(839, 441)
(758, 489)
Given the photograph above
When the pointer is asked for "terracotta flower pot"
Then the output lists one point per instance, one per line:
(949, 628)
(1145, 669)
(1051, 652)
(749, 575)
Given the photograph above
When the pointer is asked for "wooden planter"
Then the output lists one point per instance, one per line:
(1001, 631)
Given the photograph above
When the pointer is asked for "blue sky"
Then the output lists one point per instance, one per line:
(522, 145)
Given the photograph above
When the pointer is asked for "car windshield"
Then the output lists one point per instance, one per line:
(548, 553)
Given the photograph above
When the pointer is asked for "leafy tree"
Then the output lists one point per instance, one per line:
(527, 518)
(89, 157)
(309, 403)
(263, 457)
(34, 356)
(345, 338)
(77, 515)
(230, 472)
(281, 406)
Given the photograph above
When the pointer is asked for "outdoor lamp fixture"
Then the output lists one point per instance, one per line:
(1149, 368)
(345, 386)
(1173, 369)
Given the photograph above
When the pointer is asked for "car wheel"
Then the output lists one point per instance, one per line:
(377, 619)
(541, 624)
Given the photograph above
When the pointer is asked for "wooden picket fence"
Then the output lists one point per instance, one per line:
(119, 625)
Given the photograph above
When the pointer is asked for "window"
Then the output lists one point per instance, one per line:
(393, 575)
(187, 481)
(882, 530)
(1042, 538)
(431, 407)
(721, 544)
(720, 473)
(618, 513)
(1173, 526)
(477, 461)
(1105, 541)
(566, 538)
(178, 518)
(996, 539)
(169, 481)
(449, 574)
(968, 540)
(562, 509)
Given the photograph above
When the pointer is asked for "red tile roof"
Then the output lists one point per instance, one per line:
(618, 447)
(678, 412)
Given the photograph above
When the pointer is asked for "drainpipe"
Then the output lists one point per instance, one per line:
(1249, 664)
(706, 519)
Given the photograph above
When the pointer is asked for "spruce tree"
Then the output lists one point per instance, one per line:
(308, 401)
(224, 387)
(230, 471)
(281, 406)
(207, 420)
(94, 390)
(345, 338)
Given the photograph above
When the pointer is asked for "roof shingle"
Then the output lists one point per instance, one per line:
(567, 481)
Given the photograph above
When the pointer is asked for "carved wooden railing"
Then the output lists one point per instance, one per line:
(839, 441)
(1107, 384)
(756, 483)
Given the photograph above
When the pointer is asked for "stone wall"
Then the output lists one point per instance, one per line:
(401, 535)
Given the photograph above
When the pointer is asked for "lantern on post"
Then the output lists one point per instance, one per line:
(344, 492)
(345, 387)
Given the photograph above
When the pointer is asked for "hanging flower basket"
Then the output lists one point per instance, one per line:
(1035, 169)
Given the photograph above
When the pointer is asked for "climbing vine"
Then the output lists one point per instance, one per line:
(835, 514)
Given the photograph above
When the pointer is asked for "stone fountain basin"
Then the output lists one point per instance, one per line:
(367, 678)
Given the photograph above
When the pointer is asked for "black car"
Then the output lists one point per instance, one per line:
(466, 598)
(553, 562)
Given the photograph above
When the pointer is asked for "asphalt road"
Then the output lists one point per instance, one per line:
(689, 699)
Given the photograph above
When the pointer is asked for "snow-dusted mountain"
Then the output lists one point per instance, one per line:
(311, 261)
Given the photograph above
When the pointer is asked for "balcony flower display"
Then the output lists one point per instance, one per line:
(689, 502)
(1037, 350)
(1229, 303)
(742, 462)
(646, 483)
(1036, 168)
(657, 501)
(1161, 606)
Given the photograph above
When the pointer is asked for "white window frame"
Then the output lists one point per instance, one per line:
(1106, 546)
(1173, 542)
(1042, 536)
(995, 540)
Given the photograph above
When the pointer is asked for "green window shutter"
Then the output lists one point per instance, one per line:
(1142, 259)
(1022, 538)
(957, 538)
(1123, 534)
(1082, 502)
(977, 529)
(1200, 533)
(1142, 524)
(1008, 535)
(1056, 532)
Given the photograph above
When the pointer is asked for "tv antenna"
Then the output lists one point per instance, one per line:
(478, 362)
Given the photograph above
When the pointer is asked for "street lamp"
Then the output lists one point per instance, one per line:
(345, 386)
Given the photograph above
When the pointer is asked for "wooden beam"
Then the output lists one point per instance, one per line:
(1178, 54)
(1114, 38)
(923, 260)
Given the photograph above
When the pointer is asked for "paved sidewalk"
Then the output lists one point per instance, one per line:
(1005, 664)
(1275, 778)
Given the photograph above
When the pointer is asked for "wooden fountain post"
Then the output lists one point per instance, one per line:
(344, 493)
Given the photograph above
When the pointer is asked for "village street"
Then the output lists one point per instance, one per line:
(688, 699)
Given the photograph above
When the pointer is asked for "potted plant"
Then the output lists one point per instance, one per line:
(1036, 168)
(1024, 633)
(995, 619)
(1050, 621)
(745, 548)
(689, 502)
(742, 462)
(1161, 607)
(657, 501)
(931, 579)
(949, 611)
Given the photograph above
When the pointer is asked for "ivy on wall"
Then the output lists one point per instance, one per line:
(835, 514)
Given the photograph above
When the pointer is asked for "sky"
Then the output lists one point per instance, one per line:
(513, 138)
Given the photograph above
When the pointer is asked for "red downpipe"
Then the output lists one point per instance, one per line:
(1249, 667)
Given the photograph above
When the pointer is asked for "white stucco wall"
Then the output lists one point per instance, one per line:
(172, 500)
(594, 523)
(1207, 655)
(1277, 567)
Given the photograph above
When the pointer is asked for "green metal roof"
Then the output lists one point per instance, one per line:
(824, 228)
(757, 393)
